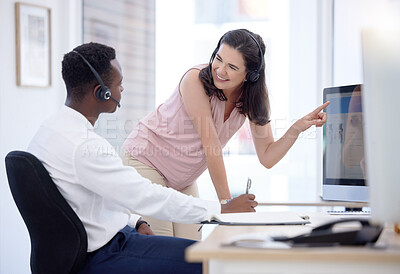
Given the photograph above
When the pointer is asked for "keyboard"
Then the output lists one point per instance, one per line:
(350, 213)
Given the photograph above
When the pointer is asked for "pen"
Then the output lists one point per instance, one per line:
(248, 185)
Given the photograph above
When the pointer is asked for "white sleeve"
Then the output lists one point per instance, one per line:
(133, 219)
(99, 168)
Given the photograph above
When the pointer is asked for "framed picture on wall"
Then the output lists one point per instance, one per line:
(33, 41)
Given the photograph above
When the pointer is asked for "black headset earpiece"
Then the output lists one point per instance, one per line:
(103, 93)
(253, 76)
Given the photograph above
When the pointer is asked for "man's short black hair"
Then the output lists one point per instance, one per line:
(76, 73)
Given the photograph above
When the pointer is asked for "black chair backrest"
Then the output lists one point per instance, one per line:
(58, 238)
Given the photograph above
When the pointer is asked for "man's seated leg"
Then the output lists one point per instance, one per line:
(131, 252)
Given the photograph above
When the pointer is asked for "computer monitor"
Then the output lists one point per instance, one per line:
(343, 159)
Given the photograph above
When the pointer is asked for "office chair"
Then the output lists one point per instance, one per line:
(58, 238)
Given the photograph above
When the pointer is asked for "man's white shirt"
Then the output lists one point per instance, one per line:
(102, 191)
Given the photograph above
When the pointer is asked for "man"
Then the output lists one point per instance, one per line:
(102, 191)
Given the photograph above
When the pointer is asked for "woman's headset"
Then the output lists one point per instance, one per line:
(251, 76)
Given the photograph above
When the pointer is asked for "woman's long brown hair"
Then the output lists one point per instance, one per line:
(254, 101)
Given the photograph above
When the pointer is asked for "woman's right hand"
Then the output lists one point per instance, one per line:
(243, 203)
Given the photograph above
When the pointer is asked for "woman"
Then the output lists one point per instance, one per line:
(174, 144)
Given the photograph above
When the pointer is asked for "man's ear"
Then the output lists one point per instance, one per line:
(94, 92)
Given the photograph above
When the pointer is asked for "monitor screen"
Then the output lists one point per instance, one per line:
(343, 160)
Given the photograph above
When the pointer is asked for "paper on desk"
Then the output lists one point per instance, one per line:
(258, 218)
(255, 240)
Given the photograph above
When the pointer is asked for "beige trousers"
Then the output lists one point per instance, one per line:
(163, 228)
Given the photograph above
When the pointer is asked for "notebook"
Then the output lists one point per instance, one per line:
(258, 218)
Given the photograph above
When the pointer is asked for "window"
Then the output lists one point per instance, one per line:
(186, 36)
(129, 27)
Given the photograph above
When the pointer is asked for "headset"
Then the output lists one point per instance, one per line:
(251, 76)
(103, 93)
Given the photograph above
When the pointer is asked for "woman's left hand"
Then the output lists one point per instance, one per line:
(316, 117)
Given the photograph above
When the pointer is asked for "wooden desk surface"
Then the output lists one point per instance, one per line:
(211, 248)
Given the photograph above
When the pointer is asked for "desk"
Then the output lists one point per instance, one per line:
(329, 260)
(317, 204)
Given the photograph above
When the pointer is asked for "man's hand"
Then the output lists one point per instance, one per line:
(243, 203)
(144, 229)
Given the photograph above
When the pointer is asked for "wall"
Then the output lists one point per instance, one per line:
(350, 17)
(303, 97)
(23, 109)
